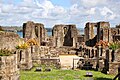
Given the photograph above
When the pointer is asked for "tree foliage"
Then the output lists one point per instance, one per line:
(1, 29)
(114, 45)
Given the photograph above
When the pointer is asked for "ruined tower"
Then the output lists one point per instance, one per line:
(65, 35)
(94, 32)
(34, 30)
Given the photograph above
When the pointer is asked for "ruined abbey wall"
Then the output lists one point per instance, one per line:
(65, 35)
(34, 30)
(102, 32)
(8, 40)
(9, 68)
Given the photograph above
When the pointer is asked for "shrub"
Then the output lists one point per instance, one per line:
(114, 45)
(1, 29)
(5, 52)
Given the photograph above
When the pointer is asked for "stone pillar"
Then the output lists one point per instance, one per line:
(74, 42)
(39, 41)
(98, 34)
(98, 54)
(107, 59)
(59, 42)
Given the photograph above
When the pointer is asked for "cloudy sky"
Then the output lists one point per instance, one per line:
(51, 12)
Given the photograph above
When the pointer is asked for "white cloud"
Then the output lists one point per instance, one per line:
(91, 11)
(89, 3)
(46, 5)
(109, 14)
(47, 12)
(104, 11)
(74, 9)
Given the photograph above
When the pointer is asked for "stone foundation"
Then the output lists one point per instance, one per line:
(51, 62)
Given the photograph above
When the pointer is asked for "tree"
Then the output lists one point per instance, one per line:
(1, 29)
(118, 26)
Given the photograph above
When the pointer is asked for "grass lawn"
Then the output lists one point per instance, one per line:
(63, 75)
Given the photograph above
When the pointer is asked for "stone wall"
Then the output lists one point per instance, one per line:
(9, 68)
(89, 31)
(36, 54)
(8, 40)
(115, 34)
(34, 30)
(24, 58)
(103, 33)
(65, 35)
(113, 68)
(51, 62)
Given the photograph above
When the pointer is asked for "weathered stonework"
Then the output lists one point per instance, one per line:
(8, 40)
(8, 64)
(65, 35)
(37, 31)
(113, 68)
(9, 68)
(115, 34)
(102, 33)
(34, 30)
(51, 62)
(89, 30)
(24, 58)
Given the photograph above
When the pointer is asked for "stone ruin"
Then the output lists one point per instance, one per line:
(8, 64)
(40, 52)
(37, 31)
(99, 57)
(11, 64)
(65, 35)
(9, 68)
(34, 30)
(115, 34)
(8, 40)
(64, 39)
(102, 32)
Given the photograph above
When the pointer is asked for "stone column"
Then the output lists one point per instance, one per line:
(74, 42)
(39, 42)
(98, 54)
(107, 59)
(58, 42)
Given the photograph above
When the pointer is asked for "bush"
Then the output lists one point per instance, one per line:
(5, 52)
(114, 45)
(1, 29)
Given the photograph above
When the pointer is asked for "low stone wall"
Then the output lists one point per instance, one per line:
(51, 62)
(9, 68)
(87, 60)
(113, 68)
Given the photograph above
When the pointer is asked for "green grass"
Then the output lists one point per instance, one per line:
(63, 75)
